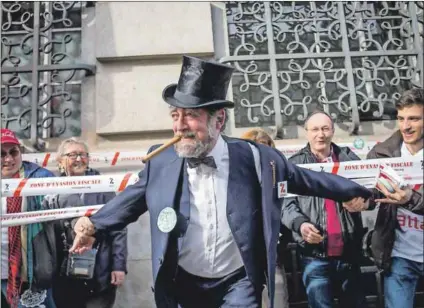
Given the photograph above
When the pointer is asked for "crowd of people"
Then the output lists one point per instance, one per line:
(36, 257)
(216, 215)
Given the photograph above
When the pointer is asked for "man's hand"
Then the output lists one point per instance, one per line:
(310, 234)
(84, 229)
(118, 278)
(399, 197)
(84, 226)
(356, 205)
(82, 243)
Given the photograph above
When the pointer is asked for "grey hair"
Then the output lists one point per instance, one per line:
(213, 112)
(305, 126)
(65, 143)
(414, 96)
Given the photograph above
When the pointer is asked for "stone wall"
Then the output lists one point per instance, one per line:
(138, 47)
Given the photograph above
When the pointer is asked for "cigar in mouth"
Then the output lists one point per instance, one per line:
(162, 148)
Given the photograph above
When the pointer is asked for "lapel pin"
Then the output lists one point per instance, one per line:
(167, 220)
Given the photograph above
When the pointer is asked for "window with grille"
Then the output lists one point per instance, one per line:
(350, 59)
(41, 68)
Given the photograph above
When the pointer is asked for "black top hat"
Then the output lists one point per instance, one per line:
(202, 84)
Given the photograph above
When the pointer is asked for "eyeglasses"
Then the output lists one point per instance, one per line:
(14, 153)
(75, 155)
(316, 130)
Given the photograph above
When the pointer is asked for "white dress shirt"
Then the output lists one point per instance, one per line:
(208, 249)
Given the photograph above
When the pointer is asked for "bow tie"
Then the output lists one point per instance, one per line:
(195, 162)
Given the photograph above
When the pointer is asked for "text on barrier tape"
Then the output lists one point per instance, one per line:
(16, 219)
(410, 170)
(67, 185)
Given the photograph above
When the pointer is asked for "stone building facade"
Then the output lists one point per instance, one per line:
(101, 68)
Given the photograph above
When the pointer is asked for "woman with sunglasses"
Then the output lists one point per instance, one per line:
(110, 255)
(28, 254)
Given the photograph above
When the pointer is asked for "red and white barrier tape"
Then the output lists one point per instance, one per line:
(109, 159)
(410, 170)
(24, 218)
(17, 219)
(67, 185)
(363, 172)
(133, 158)
(359, 168)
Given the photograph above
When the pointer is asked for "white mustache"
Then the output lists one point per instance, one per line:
(189, 135)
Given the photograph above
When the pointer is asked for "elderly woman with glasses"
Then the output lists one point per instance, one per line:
(111, 249)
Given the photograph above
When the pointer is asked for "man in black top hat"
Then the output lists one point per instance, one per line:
(214, 201)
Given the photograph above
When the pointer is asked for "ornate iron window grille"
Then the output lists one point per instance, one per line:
(38, 89)
(351, 59)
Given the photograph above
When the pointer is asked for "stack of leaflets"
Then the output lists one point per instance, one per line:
(387, 177)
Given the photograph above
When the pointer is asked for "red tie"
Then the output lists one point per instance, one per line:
(15, 254)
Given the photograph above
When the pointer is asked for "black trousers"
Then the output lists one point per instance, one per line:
(73, 293)
(231, 291)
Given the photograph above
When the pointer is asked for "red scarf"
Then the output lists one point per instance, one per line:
(334, 229)
(14, 205)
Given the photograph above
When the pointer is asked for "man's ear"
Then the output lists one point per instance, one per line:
(220, 118)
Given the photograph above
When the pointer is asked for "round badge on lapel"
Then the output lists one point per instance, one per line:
(167, 220)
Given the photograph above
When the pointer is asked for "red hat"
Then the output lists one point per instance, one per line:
(7, 136)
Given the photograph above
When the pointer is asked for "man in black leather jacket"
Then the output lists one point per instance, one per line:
(328, 234)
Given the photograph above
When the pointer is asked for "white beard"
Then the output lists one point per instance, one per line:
(192, 150)
(197, 148)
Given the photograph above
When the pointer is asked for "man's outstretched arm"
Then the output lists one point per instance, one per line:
(306, 182)
(116, 214)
